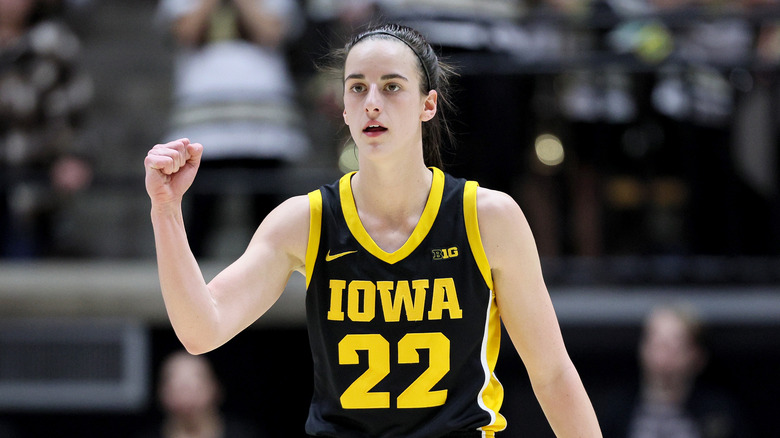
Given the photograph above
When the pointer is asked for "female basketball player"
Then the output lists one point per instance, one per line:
(408, 270)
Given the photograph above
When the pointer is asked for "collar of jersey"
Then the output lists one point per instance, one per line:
(420, 230)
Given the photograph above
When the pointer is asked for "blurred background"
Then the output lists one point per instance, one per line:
(640, 137)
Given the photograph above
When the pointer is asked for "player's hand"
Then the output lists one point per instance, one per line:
(171, 169)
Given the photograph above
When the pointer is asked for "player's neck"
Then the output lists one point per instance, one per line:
(390, 208)
(402, 189)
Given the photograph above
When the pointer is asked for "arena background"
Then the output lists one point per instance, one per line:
(81, 336)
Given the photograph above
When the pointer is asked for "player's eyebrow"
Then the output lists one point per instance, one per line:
(384, 77)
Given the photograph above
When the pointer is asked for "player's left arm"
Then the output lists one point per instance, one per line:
(528, 315)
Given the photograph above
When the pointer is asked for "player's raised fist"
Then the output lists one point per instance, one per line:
(171, 168)
(168, 158)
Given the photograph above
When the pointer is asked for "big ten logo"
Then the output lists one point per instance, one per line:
(444, 254)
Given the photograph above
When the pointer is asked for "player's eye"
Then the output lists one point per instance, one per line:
(357, 88)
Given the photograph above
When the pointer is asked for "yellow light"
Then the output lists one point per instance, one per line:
(549, 150)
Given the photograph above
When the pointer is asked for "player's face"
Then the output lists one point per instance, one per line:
(383, 106)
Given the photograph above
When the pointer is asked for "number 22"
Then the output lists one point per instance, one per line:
(419, 394)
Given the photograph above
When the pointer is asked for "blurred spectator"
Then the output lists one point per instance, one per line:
(643, 188)
(190, 396)
(672, 402)
(694, 98)
(588, 106)
(652, 129)
(235, 94)
(756, 155)
(43, 98)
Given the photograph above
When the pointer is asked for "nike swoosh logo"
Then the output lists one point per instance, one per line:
(329, 256)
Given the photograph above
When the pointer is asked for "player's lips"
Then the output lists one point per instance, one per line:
(373, 129)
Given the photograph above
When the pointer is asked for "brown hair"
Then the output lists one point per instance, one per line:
(434, 75)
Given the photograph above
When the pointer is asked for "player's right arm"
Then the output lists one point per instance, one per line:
(206, 315)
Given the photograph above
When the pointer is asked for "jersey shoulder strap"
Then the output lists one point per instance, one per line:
(472, 230)
(315, 228)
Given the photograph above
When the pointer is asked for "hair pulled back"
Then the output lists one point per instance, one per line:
(434, 75)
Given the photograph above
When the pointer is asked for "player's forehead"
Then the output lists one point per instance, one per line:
(380, 55)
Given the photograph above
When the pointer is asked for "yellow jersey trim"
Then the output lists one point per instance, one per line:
(315, 228)
(422, 228)
(472, 231)
(492, 394)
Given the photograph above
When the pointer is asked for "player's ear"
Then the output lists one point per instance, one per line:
(430, 106)
(346, 122)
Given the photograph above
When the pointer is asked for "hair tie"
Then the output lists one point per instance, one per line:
(419, 58)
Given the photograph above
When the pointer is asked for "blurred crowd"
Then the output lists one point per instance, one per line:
(44, 97)
(621, 126)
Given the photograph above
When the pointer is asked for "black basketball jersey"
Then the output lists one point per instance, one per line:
(404, 343)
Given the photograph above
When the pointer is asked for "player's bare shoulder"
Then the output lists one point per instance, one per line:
(495, 206)
(502, 225)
